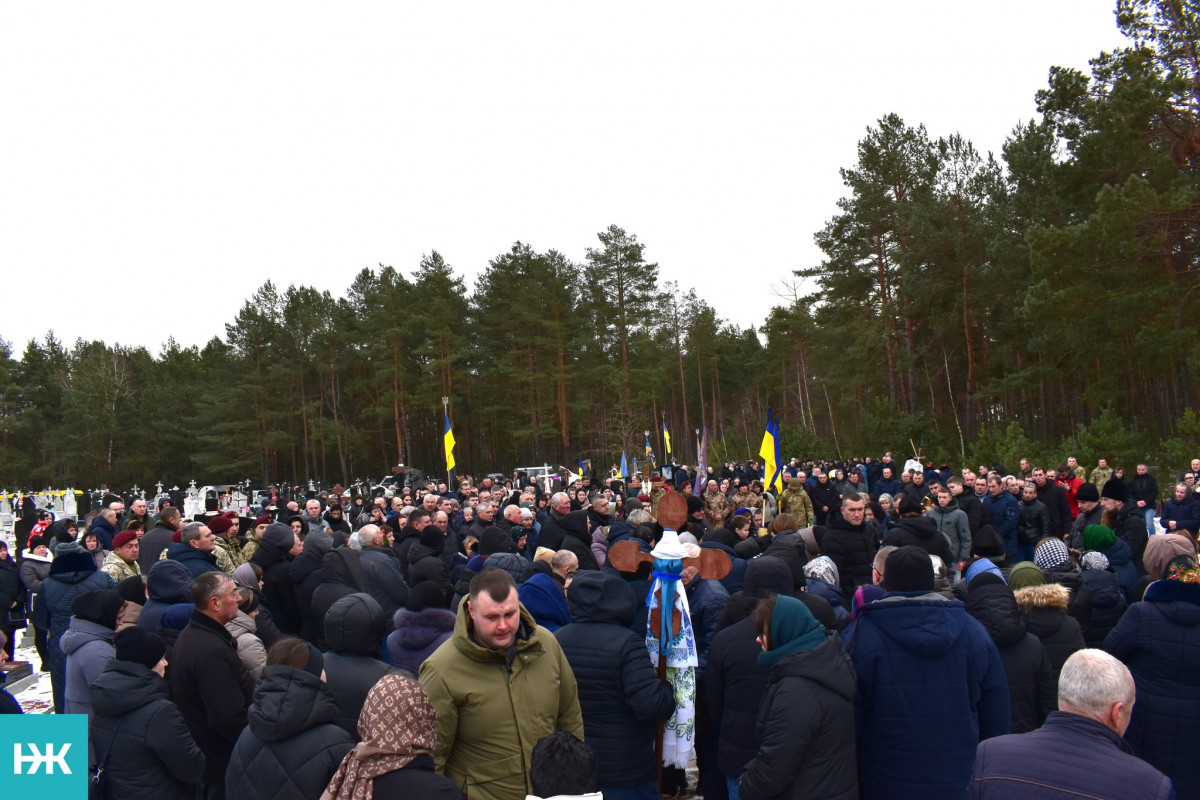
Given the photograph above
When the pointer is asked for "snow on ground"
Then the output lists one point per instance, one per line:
(36, 699)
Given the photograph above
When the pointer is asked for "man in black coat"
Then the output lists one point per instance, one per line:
(158, 538)
(1143, 493)
(381, 571)
(825, 498)
(619, 693)
(971, 505)
(1054, 498)
(552, 532)
(208, 682)
(1125, 518)
(850, 545)
(353, 633)
(1095, 700)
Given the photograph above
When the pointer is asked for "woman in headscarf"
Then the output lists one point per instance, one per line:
(806, 745)
(395, 756)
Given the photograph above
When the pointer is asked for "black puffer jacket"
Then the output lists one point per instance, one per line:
(341, 574)
(852, 551)
(291, 746)
(1032, 689)
(1130, 527)
(71, 574)
(619, 693)
(405, 538)
(152, 754)
(920, 532)
(1045, 611)
(279, 593)
(353, 632)
(1079, 603)
(383, 580)
(425, 564)
(1033, 524)
(577, 539)
(808, 708)
(305, 572)
(1105, 603)
(11, 590)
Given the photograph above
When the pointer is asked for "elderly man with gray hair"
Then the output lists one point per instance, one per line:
(1078, 752)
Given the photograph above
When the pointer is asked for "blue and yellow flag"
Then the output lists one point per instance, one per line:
(648, 450)
(624, 467)
(667, 440)
(769, 452)
(448, 440)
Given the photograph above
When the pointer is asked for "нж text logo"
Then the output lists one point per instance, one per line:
(37, 759)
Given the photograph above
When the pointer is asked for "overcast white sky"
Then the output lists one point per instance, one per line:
(155, 151)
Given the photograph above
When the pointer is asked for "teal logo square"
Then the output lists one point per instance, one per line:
(44, 756)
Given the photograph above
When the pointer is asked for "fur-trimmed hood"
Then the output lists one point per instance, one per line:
(1050, 595)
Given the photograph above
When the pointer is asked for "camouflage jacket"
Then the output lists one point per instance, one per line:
(716, 508)
(1100, 477)
(795, 501)
(118, 568)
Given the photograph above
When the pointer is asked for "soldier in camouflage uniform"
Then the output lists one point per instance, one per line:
(228, 551)
(795, 501)
(1077, 468)
(716, 506)
(1100, 475)
(656, 494)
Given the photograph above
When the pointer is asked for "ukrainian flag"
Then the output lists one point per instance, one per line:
(667, 439)
(769, 452)
(624, 468)
(647, 447)
(448, 441)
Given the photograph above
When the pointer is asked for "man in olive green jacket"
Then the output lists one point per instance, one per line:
(499, 684)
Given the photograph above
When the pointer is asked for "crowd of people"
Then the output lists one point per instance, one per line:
(884, 631)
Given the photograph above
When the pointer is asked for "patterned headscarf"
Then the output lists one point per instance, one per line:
(1183, 569)
(397, 724)
(1093, 560)
(1050, 554)
(823, 569)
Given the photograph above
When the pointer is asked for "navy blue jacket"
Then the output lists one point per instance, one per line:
(197, 562)
(931, 686)
(1159, 640)
(167, 583)
(71, 575)
(1005, 513)
(1071, 756)
(619, 693)
(543, 597)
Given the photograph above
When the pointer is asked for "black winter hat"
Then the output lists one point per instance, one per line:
(433, 538)
(1087, 493)
(908, 505)
(100, 607)
(139, 646)
(279, 535)
(908, 569)
(694, 504)
(426, 594)
(493, 540)
(988, 543)
(765, 577)
(1114, 489)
